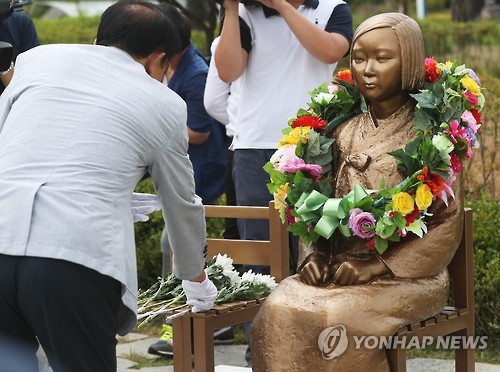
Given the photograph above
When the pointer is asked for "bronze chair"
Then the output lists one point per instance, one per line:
(273, 253)
(457, 319)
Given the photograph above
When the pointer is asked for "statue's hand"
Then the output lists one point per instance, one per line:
(314, 269)
(360, 271)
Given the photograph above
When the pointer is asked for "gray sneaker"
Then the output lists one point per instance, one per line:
(161, 347)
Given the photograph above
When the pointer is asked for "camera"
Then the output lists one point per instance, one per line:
(244, 2)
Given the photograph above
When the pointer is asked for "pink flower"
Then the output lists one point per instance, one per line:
(447, 190)
(471, 98)
(333, 88)
(292, 165)
(456, 131)
(358, 220)
(470, 120)
(456, 164)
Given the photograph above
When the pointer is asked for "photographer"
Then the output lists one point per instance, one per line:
(17, 29)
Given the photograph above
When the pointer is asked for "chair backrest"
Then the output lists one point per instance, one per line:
(461, 268)
(273, 252)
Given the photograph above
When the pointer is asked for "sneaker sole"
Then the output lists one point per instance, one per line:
(160, 353)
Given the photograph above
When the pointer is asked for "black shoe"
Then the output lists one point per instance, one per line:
(161, 347)
(223, 336)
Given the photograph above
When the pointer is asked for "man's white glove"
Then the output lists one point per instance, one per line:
(200, 296)
(143, 204)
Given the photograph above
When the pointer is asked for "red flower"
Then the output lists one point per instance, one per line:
(370, 244)
(471, 98)
(309, 121)
(290, 217)
(434, 181)
(411, 217)
(477, 115)
(345, 75)
(432, 72)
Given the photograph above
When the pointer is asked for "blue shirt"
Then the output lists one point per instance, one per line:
(208, 158)
(18, 29)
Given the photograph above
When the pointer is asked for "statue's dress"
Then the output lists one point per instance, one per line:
(285, 332)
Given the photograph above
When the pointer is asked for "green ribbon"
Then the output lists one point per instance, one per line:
(312, 202)
(331, 213)
(326, 226)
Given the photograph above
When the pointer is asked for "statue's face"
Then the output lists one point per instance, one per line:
(376, 65)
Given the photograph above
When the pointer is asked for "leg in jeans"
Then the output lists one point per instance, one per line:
(250, 182)
(72, 310)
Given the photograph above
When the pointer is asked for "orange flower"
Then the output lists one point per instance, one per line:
(345, 75)
(309, 121)
(434, 181)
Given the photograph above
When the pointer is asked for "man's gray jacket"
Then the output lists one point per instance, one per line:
(79, 127)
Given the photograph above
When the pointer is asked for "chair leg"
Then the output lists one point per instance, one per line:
(464, 358)
(397, 359)
(203, 345)
(182, 344)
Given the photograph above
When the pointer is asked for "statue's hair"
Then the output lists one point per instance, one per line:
(411, 43)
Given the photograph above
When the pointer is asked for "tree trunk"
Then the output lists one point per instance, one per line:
(203, 15)
(405, 6)
(466, 10)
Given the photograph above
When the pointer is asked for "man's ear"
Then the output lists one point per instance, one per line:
(156, 64)
(156, 60)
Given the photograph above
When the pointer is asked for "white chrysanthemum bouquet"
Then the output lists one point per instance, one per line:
(166, 295)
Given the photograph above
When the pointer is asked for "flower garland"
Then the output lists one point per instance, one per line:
(167, 295)
(447, 119)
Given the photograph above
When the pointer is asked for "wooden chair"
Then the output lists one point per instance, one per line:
(457, 320)
(273, 253)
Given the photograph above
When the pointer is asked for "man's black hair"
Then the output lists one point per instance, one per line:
(139, 27)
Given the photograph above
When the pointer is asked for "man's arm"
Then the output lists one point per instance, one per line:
(230, 57)
(199, 122)
(328, 47)
(172, 174)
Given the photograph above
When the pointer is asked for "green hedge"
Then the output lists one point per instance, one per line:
(486, 219)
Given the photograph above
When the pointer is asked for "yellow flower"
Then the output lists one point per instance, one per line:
(280, 196)
(448, 63)
(403, 203)
(295, 135)
(470, 84)
(423, 197)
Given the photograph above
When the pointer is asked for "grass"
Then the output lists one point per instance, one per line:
(142, 361)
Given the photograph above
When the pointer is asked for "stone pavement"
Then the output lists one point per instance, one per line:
(231, 358)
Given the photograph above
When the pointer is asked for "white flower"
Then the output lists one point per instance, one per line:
(442, 143)
(323, 98)
(262, 279)
(224, 261)
(418, 227)
(233, 276)
(266, 280)
(248, 276)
